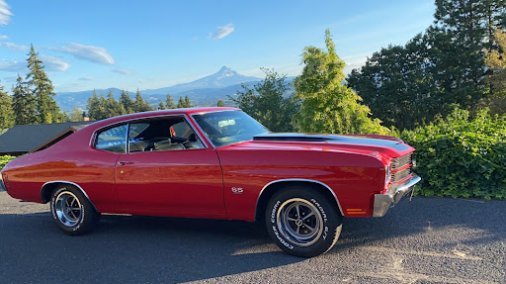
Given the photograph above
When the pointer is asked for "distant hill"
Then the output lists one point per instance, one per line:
(205, 91)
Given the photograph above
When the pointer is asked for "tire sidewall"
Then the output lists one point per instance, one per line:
(78, 228)
(331, 221)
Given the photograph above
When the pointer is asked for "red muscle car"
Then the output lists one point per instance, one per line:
(214, 163)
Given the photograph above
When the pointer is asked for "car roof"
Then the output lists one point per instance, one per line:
(156, 113)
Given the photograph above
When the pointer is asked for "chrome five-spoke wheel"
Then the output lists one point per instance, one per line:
(68, 209)
(303, 220)
(299, 221)
(72, 210)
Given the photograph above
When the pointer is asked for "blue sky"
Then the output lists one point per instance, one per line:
(150, 44)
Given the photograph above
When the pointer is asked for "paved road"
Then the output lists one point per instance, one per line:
(428, 240)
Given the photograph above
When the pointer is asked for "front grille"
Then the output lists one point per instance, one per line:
(397, 176)
(401, 161)
(399, 169)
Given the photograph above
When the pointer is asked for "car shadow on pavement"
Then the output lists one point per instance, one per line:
(133, 250)
(146, 249)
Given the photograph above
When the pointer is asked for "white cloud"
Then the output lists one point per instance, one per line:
(223, 32)
(5, 13)
(55, 64)
(3, 37)
(91, 53)
(12, 65)
(85, 78)
(121, 71)
(14, 46)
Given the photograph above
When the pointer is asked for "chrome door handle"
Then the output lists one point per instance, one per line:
(122, 163)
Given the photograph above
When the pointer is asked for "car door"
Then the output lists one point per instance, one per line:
(168, 171)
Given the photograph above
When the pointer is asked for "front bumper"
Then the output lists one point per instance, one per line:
(382, 202)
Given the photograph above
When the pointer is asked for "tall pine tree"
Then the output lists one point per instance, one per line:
(139, 104)
(180, 103)
(126, 101)
(96, 110)
(6, 113)
(23, 104)
(169, 102)
(42, 89)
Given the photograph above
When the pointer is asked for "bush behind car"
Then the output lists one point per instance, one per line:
(462, 156)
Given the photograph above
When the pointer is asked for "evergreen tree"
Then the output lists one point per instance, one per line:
(328, 106)
(23, 104)
(96, 110)
(42, 89)
(265, 102)
(220, 103)
(161, 106)
(139, 104)
(187, 102)
(126, 102)
(180, 103)
(113, 108)
(169, 103)
(438, 69)
(6, 113)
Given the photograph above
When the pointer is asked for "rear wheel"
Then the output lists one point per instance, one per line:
(72, 211)
(303, 222)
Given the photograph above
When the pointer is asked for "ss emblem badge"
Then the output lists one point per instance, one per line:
(237, 190)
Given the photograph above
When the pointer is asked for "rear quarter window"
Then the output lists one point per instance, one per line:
(112, 139)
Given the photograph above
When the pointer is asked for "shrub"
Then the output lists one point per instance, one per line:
(462, 156)
(4, 160)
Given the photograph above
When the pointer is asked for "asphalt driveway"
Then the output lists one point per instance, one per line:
(428, 240)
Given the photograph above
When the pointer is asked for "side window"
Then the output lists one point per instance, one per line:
(112, 139)
(166, 134)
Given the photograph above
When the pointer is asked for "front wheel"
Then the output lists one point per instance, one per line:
(72, 211)
(303, 222)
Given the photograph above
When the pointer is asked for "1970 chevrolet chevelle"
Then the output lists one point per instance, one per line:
(214, 163)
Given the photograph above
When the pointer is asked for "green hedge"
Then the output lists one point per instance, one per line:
(4, 160)
(462, 156)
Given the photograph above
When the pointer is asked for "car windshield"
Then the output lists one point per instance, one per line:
(227, 127)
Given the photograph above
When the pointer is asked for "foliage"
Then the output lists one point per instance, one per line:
(23, 103)
(220, 103)
(42, 89)
(437, 69)
(5, 159)
(496, 63)
(169, 102)
(184, 102)
(76, 115)
(139, 104)
(328, 106)
(100, 107)
(266, 102)
(6, 114)
(126, 101)
(460, 156)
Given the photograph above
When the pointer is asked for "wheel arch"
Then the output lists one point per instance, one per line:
(272, 187)
(48, 188)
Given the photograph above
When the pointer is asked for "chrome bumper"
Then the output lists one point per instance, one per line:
(382, 202)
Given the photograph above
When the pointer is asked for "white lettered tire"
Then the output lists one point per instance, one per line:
(72, 211)
(302, 221)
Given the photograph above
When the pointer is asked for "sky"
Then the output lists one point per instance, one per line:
(154, 43)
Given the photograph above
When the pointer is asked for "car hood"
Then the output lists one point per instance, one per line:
(363, 144)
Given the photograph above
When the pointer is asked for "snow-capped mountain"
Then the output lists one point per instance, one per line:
(205, 91)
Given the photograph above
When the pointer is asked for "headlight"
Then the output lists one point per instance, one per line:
(388, 175)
